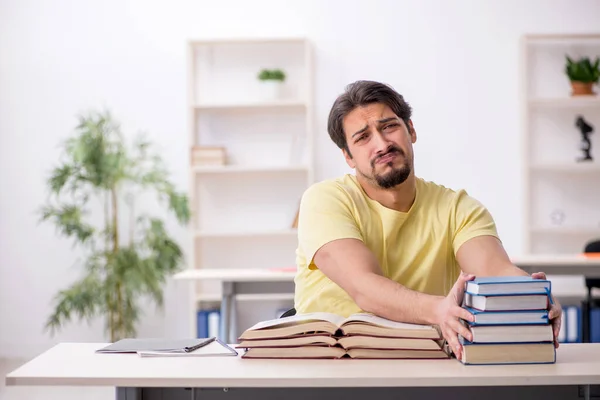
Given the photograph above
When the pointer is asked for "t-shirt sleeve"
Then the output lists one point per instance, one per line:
(325, 215)
(471, 219)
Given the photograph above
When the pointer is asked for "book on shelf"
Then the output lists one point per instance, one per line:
(325, 335)
(208, 156)
(511, 322)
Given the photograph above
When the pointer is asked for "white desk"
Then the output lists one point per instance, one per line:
(76, 364)
(559, 264)
(253, 281)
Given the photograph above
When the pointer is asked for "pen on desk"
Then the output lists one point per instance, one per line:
(200, 345)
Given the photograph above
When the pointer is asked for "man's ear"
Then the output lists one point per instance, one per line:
(411, 131)
(349, 159)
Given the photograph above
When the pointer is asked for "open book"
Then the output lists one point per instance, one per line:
(332, 324)
(324, 335)
(338, 352)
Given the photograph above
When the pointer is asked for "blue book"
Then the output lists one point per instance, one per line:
(510, 333)
(535, 317)
(506, 302)
(508, 285)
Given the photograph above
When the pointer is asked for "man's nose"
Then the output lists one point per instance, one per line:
(381, 143)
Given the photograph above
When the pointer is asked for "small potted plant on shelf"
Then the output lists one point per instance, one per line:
(583, 75)
(271, 82)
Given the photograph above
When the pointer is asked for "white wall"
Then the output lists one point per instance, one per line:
(455, 61)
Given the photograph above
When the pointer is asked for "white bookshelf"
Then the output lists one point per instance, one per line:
(561, 195)
(243, 211)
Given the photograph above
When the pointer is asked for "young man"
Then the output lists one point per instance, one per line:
(385, 241)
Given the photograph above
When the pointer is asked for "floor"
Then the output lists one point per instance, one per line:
(45, 392)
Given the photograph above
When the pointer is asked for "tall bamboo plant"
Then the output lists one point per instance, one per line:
(128, 255)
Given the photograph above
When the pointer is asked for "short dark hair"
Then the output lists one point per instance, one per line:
(361, 93)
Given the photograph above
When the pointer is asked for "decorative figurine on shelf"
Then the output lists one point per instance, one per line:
(586, 144)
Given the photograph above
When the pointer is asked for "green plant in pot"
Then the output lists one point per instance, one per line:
(583, 74)
(271, 83)
(276, 75)
(127, 254)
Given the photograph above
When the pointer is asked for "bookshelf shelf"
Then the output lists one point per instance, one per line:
(243, 169)
(289, 104)
(216, 298)
(587, 168)
(566, 102)
(209, 298)
(567, 230)
(291, 233)
(247, 41)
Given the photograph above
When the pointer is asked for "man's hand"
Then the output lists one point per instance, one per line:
(555, 310)
(449, 311)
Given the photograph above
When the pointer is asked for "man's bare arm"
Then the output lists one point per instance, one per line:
(350, 264)
(485, 256)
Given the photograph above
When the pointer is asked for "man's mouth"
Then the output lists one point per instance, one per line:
(387, 157)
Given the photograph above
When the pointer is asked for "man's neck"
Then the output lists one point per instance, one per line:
(399, 198)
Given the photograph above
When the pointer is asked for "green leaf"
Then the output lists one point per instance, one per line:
(68, 221)
(178, 203)
(60, 176)
(84, 300)
(582, 70)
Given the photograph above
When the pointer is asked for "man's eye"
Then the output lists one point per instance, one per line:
(391, 126)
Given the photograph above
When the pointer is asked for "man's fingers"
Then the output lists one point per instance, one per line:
(556, 330)
(456, 326)
(453, 342)
(556, 326)
(460, 285)
(538, 275)
(460, 312)
(462, 279)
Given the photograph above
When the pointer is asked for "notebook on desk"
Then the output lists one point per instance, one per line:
(155, 347)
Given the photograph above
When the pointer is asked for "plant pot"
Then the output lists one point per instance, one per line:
(271, 90)
(582, 88)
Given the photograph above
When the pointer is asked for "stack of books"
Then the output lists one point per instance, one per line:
(511, 321)
(325, 335)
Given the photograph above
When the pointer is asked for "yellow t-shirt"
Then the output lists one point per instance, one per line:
(416, 248)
